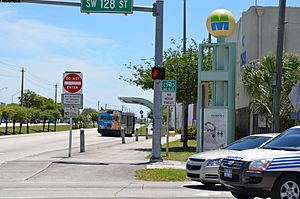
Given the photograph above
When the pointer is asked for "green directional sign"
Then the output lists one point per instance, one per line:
(107, 6)
(168, 86)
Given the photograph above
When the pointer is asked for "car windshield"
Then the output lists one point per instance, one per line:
(288, 140)
(249, 142)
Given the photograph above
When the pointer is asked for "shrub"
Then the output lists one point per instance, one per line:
(178, 131)
(192, 132)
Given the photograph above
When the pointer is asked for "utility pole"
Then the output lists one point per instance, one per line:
(22, 86)
(98, 105)
(105, 106)
(55, 96)
(185, 107)
(184, 26)
(278, 72)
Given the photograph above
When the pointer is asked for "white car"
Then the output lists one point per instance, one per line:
(203, 167)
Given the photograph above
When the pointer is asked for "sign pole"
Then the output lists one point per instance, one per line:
(167, 147)
(70, 137)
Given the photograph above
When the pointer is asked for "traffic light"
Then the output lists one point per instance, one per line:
(158, 73)
(10, 1)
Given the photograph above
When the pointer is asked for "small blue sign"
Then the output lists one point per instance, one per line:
(243, 58)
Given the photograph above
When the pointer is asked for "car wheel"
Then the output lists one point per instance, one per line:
(286, 187)
(241, 196)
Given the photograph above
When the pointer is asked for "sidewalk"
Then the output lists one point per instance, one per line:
(136, 153)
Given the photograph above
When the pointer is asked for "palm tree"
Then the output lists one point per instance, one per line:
(257, 79)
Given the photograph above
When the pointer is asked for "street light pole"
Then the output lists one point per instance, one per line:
(278, 73)
(55, 96)
(22, 87)
(12, 97)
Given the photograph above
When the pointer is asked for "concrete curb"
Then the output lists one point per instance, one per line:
(166, 164)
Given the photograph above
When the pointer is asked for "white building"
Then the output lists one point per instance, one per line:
(256, 37)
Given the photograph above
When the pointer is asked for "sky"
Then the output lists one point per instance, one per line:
(48, 40)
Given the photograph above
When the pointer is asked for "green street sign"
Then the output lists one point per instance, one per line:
(107, 6)
(168, 86)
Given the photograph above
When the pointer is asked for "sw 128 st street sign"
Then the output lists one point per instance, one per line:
(107, 6)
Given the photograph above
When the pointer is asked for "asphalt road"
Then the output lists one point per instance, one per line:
(37, 166)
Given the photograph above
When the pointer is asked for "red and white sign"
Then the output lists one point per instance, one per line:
(72, 83)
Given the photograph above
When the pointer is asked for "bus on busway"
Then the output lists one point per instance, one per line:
(111, 122)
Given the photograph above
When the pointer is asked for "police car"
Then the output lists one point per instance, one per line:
(203, 167)
(270, 171)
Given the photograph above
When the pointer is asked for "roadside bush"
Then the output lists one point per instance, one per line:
(178, 131)
(192, 132)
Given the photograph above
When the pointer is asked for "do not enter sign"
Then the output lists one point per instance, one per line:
(72, 83)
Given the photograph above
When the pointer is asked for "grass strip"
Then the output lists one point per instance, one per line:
(142, 130)
(176, 152)
(33, 129)
(161, 174)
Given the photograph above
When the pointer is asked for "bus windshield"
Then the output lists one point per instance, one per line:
(105, 117)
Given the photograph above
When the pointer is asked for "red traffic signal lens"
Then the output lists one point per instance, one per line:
(158, 73)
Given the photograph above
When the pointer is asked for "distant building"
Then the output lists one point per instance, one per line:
(256, 37)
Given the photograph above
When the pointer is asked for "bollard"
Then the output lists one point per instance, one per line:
(82, 141)
(147, 133)
(136, 135)
(123, 136)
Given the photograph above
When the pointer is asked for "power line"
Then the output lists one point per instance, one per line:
(40, 79)
(12, 67)
(36, 84)
(17, 68)
(8, 67)
(9, 76)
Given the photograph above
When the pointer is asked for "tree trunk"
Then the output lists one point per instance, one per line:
(185, 125)
(44, 123)
(55, 125)
(6, 124)
(49, 126)
(20, 129)
(14, 126)
(27, 130)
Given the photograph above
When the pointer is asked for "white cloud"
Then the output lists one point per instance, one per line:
(29, 35)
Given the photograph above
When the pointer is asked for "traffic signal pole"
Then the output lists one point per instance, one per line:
(157, 113)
